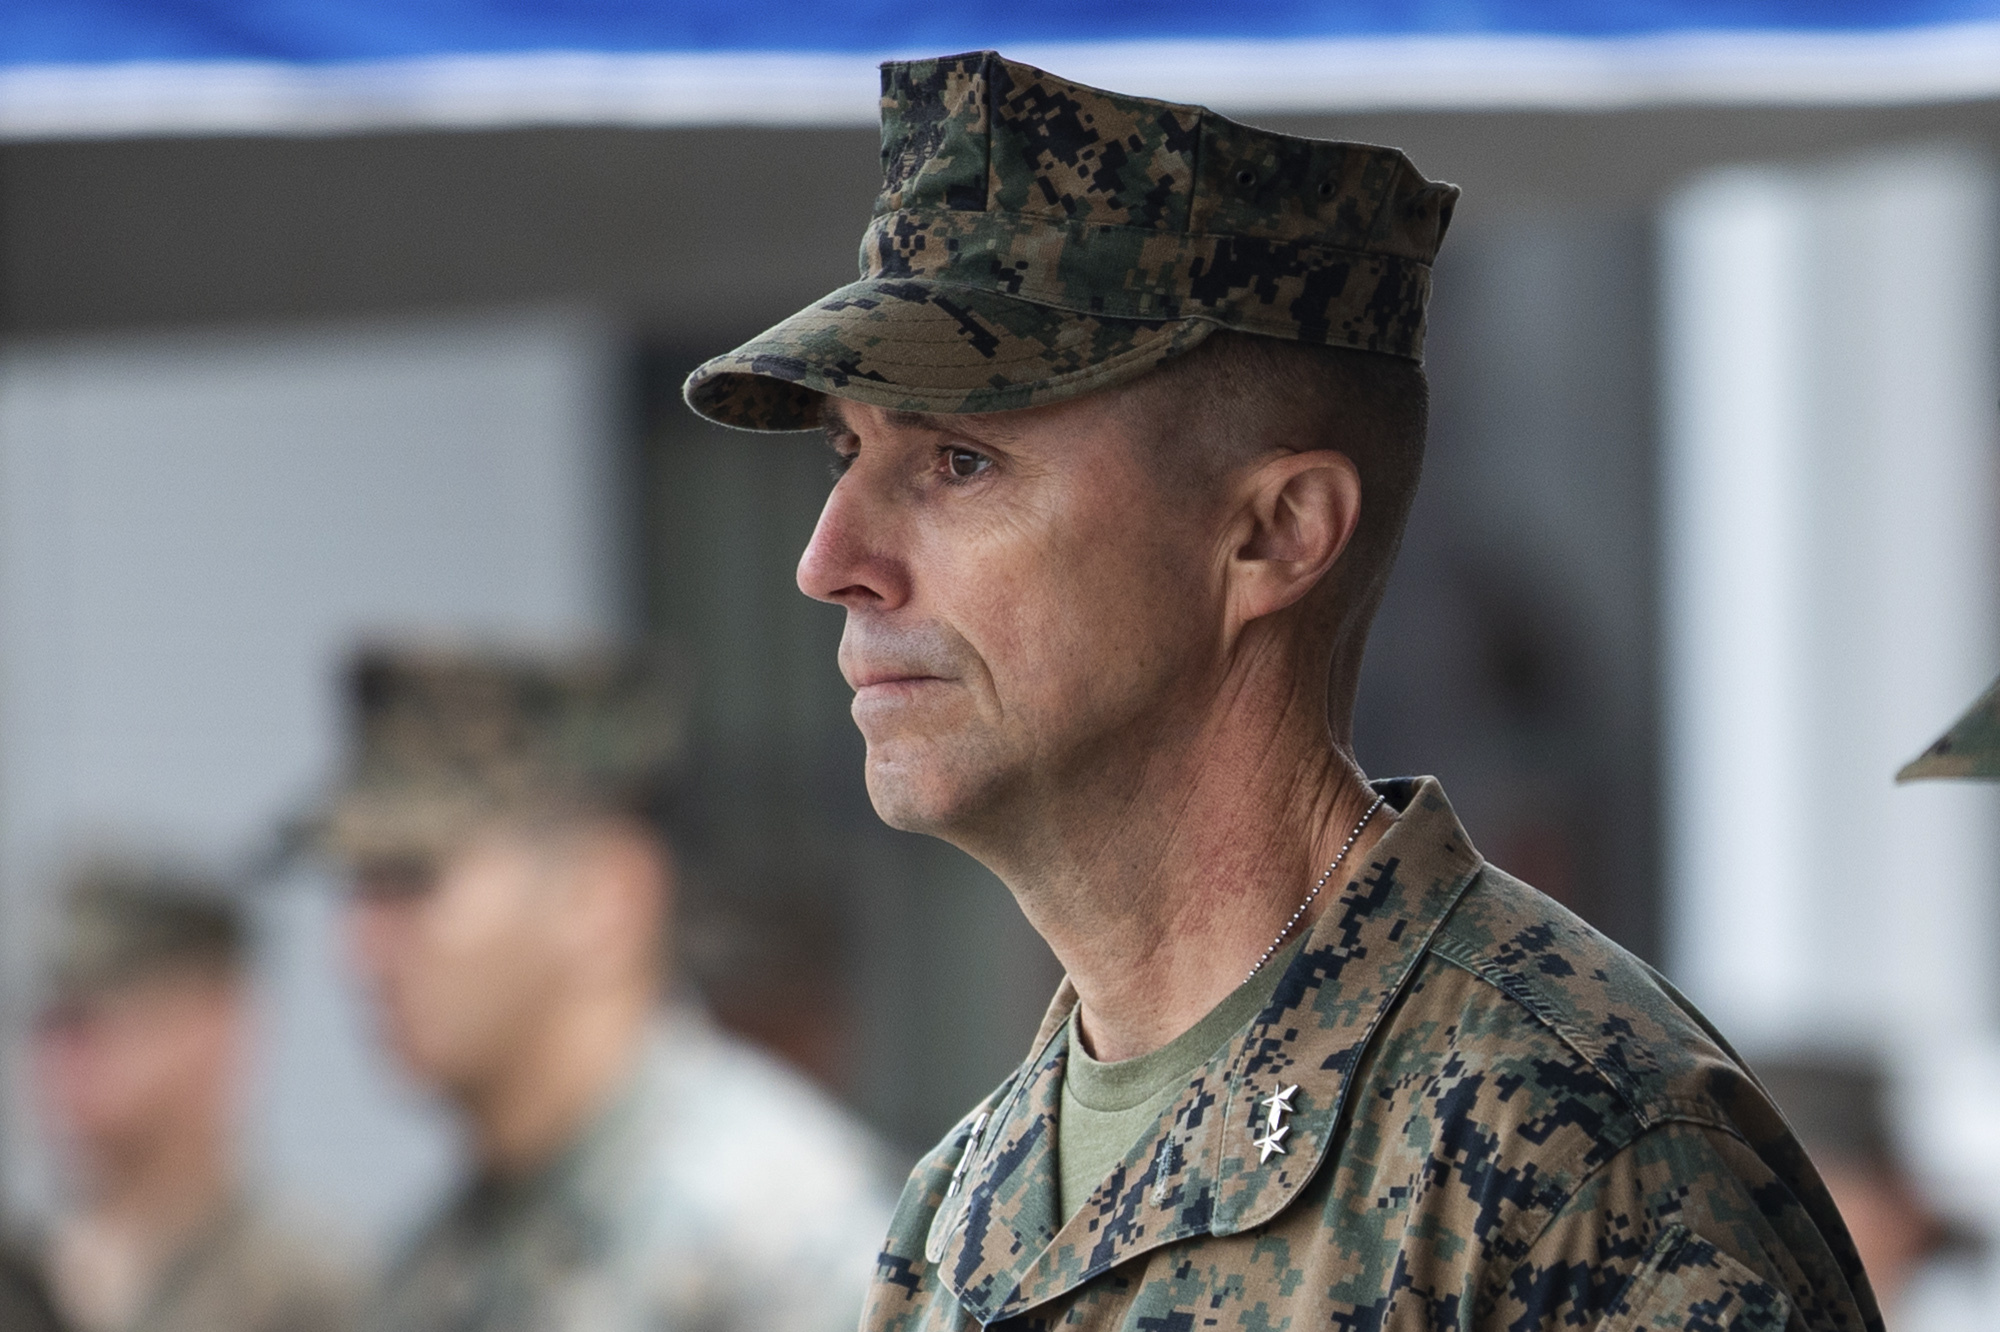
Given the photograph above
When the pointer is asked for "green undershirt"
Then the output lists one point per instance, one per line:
(1107, 1108)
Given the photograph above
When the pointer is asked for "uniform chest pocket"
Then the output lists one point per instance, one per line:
(1687, 1284)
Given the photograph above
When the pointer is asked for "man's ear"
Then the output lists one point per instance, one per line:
(1296, 515)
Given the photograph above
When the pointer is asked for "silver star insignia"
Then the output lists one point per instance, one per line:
(1280, 1105)
(1271, 1142)
(965, 1157)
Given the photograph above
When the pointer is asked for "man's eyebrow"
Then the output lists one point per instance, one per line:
(832, 421)
(978, 425)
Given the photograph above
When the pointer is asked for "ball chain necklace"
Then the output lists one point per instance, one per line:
(1313, 896)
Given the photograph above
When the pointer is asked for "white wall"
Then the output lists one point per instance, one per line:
(193, 531)
(1832, 497)
(1832, 595)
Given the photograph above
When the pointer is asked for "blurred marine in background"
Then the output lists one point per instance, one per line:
(513, 895)
(1128, 411)
(1844, 1116)
(1841, 1109)
(139, 1059)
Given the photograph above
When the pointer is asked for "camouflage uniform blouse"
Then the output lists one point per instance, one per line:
(720, 1193)
(1501, 1120)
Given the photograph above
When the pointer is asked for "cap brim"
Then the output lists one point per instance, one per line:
(917, 345)
(1971, 748)
(363, 826)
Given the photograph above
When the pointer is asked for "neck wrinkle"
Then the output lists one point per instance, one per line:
(1160, 897)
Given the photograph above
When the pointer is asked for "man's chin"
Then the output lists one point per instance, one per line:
(911, 795)
(905, 810)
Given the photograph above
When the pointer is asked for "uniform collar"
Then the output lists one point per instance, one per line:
(998, 1240)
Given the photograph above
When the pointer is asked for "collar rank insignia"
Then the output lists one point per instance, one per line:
(1277, 1106)
(965, 1157)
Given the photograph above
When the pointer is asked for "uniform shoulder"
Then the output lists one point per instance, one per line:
(1644, 1042)
(263, 1268)
(708, 1096)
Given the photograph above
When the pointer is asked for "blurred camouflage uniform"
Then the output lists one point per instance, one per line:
(1971, 748)
(1462, 1107)
(719, 1190)
(245, 1272)
(244, 1269)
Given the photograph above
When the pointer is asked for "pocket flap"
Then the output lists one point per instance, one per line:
(1687, 1284)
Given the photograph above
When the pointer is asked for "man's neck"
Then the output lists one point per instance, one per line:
(174, 1184)
(1158, 894)
(142, 1209)
(557, 1081)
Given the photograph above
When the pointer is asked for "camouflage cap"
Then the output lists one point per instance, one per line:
(442, 740)
(1037, 240)
(125, 920)
(1971, 748)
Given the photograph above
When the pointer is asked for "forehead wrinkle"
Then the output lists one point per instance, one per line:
(833, 418)
(984, 425)
(978, 425)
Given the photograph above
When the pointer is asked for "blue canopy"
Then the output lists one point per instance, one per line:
(138, 66)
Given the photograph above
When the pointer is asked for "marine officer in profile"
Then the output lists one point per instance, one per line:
(1127, 411)
(634, 1167)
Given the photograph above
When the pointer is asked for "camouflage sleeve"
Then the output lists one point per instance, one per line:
(1684, 1228)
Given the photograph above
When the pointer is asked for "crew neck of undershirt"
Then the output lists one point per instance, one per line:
(1128, 1083)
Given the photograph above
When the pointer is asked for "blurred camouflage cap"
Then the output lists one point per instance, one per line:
(124, 920)
(1971, 748)
(442, 740)
(1037, 240)
(1838, 1106)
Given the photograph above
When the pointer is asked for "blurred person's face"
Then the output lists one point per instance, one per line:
(465, 955)
(1024, 599)
(157, 1056)
(1893, 1231)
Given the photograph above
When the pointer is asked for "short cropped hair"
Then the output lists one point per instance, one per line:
(1240, 397)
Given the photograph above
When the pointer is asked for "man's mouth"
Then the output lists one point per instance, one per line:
(882, 661)
(880, 694)
(878, 679)
(888, 690)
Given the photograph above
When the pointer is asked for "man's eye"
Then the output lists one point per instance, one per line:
(964, 463)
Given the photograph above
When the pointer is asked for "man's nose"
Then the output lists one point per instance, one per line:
(848, 561)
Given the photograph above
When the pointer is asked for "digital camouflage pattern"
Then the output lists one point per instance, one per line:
(1502, 1121)
(721, 1192)
(1037, 240)
(1971, 748)
(443, 739)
